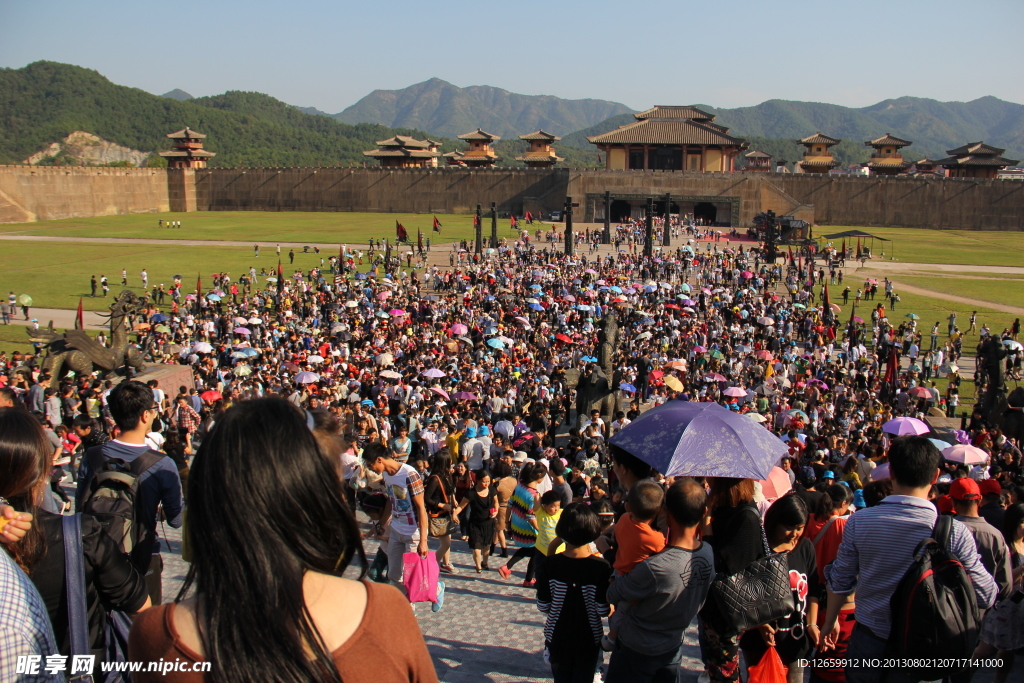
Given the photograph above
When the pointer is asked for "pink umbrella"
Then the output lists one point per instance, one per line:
(465, 396)
(735, 392)
(966, 454)
(905, 426)
(570, 297)
(396, 311)
(384, 295)
(715, 377)
(433, 372)
(763, 354)
(242, 330)
(776, 485)
(880, 472)
(441, 392)
(521, 319)
(459, 328)
(699, 349)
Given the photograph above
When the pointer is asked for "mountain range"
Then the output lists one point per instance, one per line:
(44, 102)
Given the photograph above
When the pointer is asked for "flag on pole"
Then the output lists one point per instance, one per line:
(437, 225)
(858, 247)
(825, 298)
(419, 238)
(513, 222)
(199, 286)
(790, 253)
(401, 234)
(80, 316)
(280, 277)
(476, 220)
(843, 252)
(529, 217)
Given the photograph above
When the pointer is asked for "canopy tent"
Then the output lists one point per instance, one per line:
(852, 233)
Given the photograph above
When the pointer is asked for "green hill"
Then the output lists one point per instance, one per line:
(448, 110)
(45, 101)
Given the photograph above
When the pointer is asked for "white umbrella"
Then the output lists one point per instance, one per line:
(315, 359)
(202, 347)
(391, 374)
(255, 321)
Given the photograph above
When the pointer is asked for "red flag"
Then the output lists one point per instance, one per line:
(513, 222)
(790, 253)
(80, 316)
(400, 232)
(858, 247)
(476, 220)
(280, 277)
(824, 298)
(199, 286)
(843, 252)
(529, 217)
(437, 225)
(419, 238)
(890, 367)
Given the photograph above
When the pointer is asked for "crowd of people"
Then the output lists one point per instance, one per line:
(455, 404)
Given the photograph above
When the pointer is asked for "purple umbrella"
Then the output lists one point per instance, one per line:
(242, 330)
(307, 377)
(682, 438)
(464, 396)
(433, 372)
(905, 426)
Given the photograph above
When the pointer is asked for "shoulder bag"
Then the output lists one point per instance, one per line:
(758, 594)
(440, 523)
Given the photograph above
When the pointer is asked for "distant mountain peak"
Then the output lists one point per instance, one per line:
(447, 110)
(178, 94)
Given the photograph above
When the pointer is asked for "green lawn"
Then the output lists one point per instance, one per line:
(1008, 292)
(55, 275)
(263, 226)
(914, 245)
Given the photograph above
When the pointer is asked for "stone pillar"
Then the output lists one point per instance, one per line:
(649, 236)
(181, 190)
(606, 237)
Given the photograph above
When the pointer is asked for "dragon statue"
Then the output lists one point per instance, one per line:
(76, 350)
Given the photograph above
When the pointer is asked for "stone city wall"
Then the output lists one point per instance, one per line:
(34, 193)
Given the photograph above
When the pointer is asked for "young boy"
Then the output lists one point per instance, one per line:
(665, 591)
(635, 539)
(548, 513)
(571, 588)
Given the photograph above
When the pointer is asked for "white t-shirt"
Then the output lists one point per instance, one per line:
(401, 487)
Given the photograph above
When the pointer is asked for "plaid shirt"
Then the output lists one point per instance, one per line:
(187, 418)
(24, 625)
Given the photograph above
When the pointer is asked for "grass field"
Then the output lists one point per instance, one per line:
(262, 226)
(1007, 292)
(55, 275)
(913, 245)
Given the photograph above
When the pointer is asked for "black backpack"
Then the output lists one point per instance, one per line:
(112, 497)
(934, 609)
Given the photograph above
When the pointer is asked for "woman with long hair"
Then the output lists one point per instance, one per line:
(827, 522)
(464, 480)
(733, 530)
(1002, 630)
(482, 502)
(111, 581)
(523, 521)
(504, 486)
(439, 499)
(271, 536)
(794, 636)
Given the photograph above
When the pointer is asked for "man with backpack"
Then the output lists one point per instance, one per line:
(877, 560)
(123, 482)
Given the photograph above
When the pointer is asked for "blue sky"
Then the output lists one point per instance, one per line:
(724, 53)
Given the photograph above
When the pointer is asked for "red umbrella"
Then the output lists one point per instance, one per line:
(211, 396)
(563, 338)
(776, 485)
(921, 392)
(657, 374)
(672, 306)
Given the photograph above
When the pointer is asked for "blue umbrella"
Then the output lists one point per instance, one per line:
(650, 288)
(248, 352)
(940, 444)
(588, 359)
(496, 343)
(361, 276)
(625, 386)
(536, 287)
(617, 290)
(681, 438)
(366, 402)
(647, 321)
(159, 318)
(213, 297)
(537, 307)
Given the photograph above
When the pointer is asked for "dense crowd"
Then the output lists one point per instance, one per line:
(478, 404)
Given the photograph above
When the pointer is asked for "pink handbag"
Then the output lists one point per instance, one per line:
(420, 577)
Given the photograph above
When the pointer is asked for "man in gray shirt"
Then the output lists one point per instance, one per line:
(666, 591)
(995, 554)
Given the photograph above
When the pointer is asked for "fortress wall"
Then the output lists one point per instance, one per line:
(31, 193)
(40, 193)
(438, 190)
(941, 203)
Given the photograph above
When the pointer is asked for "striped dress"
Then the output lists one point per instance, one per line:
(520, 506)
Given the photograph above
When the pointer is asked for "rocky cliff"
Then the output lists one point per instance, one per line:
(88, 149)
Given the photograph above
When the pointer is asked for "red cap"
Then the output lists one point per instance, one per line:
(964, 489)
(990, 486)
(944, 504)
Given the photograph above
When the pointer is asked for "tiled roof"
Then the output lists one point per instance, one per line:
(404, 141)
(192, 153)
(478, 134)
(819, 138)
(924, 162)
(185, 133)
(539, 156)
(754, 154)
(894, 162)
(453, 155)
(888, 139)
(402, 152)
(666, 131)
(818, 161)
(976, 160)
(975, 148)
(660, 111)
(539, 135)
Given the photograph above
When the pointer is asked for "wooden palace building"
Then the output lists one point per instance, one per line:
(403, 151)
(975, 160)
(480, 153)
(670, 138)
(818, 158)
(887, 158)
(188, 150)
(541, 154)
